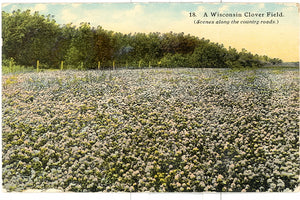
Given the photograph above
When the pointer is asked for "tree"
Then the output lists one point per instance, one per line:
(28, 38)
(275, 61)
(247, 59)
(104, 45)
(63, 43)
(176, 60)
(232, 57)
(169, 43)
(208, 55)
(81, 50)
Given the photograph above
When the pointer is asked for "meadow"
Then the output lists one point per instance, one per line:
(157, 130)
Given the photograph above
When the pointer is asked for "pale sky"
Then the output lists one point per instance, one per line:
(275, 40)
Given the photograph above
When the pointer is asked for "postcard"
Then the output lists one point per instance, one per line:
(198, 99)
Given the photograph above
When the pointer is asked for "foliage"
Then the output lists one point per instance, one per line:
(174, 60)
(151, 130)
(29, 37)
(209, 55)
(9, 66)
(81, 50)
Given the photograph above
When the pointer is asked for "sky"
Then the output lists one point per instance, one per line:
(280, 40)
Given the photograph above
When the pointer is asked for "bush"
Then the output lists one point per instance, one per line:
(208, 55)
(176, 60)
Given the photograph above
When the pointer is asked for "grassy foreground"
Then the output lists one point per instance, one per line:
(151, 130)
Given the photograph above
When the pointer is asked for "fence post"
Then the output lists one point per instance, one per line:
(113, 65)
(140, 63)
(62, 65)
(99, 65)
(37, 65)
(81, 66)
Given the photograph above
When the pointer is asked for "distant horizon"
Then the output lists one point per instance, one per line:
(274, 40)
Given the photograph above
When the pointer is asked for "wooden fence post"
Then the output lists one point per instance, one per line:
(37, 65)
(113, 65)
(81, 66)
(99, 65)
(62, 65)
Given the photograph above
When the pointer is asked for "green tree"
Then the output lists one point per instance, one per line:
(63, 43)
(208, 55)
(81, 51)
(176, 60)
(105, 45)
(28, 38)
(232, 58)
(247, 59)
(275, 61)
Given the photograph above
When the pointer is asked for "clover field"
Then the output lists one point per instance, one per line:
(164, 130)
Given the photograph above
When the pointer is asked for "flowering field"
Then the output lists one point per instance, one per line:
(151, 130)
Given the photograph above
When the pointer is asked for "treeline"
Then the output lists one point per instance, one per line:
(30, 37)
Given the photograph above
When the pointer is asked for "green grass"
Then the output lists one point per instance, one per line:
(16, 69)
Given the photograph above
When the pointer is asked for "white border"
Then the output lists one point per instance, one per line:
(151, 1)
